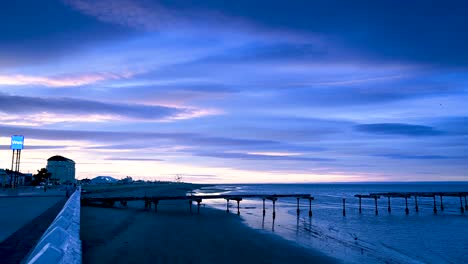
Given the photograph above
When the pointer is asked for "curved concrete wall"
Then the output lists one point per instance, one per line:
(61, 242)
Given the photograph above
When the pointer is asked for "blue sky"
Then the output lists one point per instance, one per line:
(239, 91)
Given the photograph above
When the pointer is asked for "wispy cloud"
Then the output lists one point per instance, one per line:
(61, 81)
(50, 110)
(124, 12)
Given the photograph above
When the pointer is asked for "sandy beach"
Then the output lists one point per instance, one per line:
(173, 235)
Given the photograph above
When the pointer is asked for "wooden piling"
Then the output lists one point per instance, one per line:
(238, 207)
(227, 205)
(461, 206)
(264, 207)
(389, 209)
(298, 211)
(310, 207)
(344, 207)
(441, 203)
(190, 205)
(156, 206)
(466, 205)
(416, 202)
(360, 209)
(198, 206)
(406, 204)
(274, 209)
(435, 205)
(376, 208)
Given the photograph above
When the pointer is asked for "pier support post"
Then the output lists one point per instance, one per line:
(406, 204)
(190, 205)
(389, 207)
(360, 209)
(310, 207)
(264, 207)
(274, 208)
(298, 211)
(376, 208)
(238, 207)
(227, 205)
(344, 207)
(416, 202)
(461, 206)
(435, 205)
(441, 204)
(466, 205)
(198, 206)
(156, 205)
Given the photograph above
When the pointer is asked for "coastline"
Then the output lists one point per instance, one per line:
(173, 235)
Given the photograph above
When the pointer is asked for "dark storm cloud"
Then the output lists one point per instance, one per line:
(399, 129)
(69, 106)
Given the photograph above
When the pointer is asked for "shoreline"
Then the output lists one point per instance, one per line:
(173, 235)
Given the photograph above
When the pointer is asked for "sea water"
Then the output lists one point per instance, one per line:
(419, 237)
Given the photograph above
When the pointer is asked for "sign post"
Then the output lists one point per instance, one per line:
(17, 144)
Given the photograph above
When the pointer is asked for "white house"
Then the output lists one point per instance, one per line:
(61, 168)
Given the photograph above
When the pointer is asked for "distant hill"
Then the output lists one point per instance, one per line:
(103, 179)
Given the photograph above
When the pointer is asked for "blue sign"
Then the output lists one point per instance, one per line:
(17, 142)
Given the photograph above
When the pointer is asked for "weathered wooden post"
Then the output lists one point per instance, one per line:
(238, 206)
(389, 207)
(227, 205)
(310, 207)
(416, 202)
(198, 206)
(360, 209)
(190, 205)
(298, 211)
(274, 208)
(156, 205)
(461, 205)
(435, 205)
(376, 208)
(344, 207)
(441, 203)
(406, 203)
(263, 207)
(466, 205)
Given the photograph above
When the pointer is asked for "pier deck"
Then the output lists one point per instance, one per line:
(110, 201)
(407, 195)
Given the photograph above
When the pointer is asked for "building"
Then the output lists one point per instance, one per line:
(61, 168)
(7, 178)
(4, 178)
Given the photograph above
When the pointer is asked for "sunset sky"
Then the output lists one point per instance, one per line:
(238, 91)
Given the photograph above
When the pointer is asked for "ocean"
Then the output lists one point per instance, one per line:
(419, 237)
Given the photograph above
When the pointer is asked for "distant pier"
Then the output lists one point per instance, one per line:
(415, 195)
(149, 201)
(110, 201)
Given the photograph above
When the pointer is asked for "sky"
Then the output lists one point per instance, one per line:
(238, 91)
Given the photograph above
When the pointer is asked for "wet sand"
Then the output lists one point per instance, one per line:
(173, 235)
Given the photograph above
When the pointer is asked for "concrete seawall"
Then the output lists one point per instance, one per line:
(61, 242)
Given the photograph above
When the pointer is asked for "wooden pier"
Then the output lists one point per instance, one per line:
(407, 195)
(110, 201)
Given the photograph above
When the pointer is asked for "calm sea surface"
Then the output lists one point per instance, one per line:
(356, 238)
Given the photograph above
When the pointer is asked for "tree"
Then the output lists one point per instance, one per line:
(42, 176)
(86, 181)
